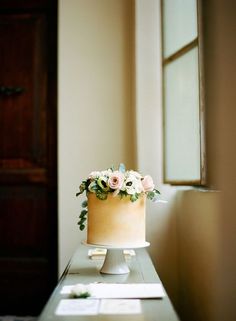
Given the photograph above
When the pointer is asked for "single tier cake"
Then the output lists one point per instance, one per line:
(116, 221)
(115, 207)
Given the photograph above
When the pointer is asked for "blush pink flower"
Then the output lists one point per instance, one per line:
(147, 183)
(116, 180)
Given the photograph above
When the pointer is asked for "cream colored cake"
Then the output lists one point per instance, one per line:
(116, 221)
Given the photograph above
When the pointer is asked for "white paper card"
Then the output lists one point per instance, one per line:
(99, 253)
(122, 291)
(120, 306)
(77, 307)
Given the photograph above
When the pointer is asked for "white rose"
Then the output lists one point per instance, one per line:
(81, 291)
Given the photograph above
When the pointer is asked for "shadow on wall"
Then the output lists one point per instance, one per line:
(162, 234)
(198, 256)
(185, 254)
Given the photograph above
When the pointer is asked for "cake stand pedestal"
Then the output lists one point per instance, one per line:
(115, 262)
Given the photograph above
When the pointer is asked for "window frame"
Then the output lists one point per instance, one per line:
(197, 42)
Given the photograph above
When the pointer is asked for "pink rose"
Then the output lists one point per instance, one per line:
(116, 180)
(147, 183)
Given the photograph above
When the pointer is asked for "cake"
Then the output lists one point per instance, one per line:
(115, 208)
(116, 221)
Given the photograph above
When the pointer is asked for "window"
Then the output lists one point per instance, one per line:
(183, 114)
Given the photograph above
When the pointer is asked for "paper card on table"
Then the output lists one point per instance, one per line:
(99, 253)
(120, 306)
(122, 291)
(77, 307)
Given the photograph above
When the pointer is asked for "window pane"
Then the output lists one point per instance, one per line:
(179, 24)
(182, 132)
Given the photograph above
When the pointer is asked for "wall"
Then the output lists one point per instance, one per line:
(192, 239)
(161, 219)
(220, 53)
(192, 236)
(96, 123)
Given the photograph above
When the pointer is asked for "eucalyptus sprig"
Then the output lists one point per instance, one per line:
(153, 195)
(83, 215)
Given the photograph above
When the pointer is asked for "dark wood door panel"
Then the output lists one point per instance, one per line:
(28, 4)
(23, 90)
(24, 285)
(23, 217)
(28, 154)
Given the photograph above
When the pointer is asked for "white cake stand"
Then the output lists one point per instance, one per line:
(114, 262)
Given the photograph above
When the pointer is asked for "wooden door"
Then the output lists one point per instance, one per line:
(28, 167)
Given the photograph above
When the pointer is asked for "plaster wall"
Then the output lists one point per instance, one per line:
(95, 123)
(192, 239)
(192, 235)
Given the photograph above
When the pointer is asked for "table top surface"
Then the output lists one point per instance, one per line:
(82, 269)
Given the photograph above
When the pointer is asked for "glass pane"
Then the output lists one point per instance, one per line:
(179, 24)
(182, 129)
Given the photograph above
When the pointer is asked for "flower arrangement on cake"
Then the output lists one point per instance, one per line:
(118, 183)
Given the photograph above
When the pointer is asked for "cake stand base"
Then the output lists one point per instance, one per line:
(115, 262)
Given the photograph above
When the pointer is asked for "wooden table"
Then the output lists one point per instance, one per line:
(81, 269)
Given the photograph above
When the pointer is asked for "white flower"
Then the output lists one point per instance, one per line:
(130, 190)
(92, 187)
(134, 173)
(102, 182)
(81, 291)
(94, 174)
(132, 184)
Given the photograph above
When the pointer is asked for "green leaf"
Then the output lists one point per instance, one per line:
(153, 195)
(81, 227)
(84, 204)
(122, 194)
(82, 188)
(83, 213)
(134, 197)
(150, 195)
(112, 168)
(83, 295)
(100, 195)
(122, 168)
(82, 220)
